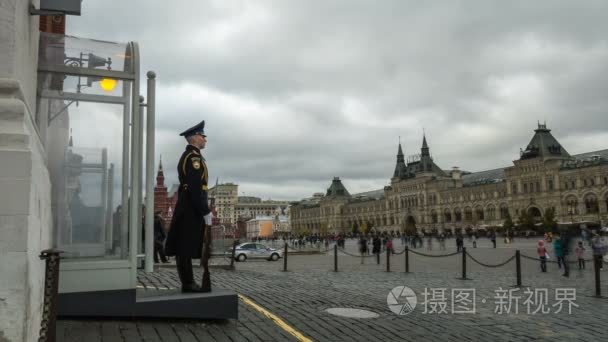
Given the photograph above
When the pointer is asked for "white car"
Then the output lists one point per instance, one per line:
(252, 250)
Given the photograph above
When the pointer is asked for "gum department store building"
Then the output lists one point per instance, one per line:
(422, 196)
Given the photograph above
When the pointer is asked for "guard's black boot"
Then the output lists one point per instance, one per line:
(190, 288)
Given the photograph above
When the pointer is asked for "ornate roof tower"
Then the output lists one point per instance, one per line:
(544, 145)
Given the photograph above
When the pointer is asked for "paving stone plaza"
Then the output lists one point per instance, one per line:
(444, 311)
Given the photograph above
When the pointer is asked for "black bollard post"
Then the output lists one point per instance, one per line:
(596, 267)
(232, 255)
(464, 263)
(388, 260)
(285, 259)
(336, 258)
(518, 267)
(407, 259)
(378, 258)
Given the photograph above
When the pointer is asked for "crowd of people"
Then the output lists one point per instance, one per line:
(562, 245)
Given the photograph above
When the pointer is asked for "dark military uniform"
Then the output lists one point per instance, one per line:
(185, 236)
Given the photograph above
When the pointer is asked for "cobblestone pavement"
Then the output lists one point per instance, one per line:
(301, 296)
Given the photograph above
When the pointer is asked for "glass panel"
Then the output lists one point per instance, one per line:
(85, 149)
(57, 49)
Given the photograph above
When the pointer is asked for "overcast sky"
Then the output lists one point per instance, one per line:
(294, 93)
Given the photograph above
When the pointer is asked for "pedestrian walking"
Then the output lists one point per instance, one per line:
(362, 247)
(558, 251)
(389, 246)
(579, 251)
(493, 238)
(159, 239)
(542, 255)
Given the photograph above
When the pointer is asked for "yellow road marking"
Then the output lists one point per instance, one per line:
(299, 336)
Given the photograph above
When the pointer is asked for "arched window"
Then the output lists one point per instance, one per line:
(479, 214)
(433, 216)
(504, 211)
(591, 204)
(457, 215)
(571, 206)
(491, 212)
(468, 214)
(448, 215)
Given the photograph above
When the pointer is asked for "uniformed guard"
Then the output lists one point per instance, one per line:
(191, 221)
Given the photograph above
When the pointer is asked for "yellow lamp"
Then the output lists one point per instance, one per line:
(107, 84)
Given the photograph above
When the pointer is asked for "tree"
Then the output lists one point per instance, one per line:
(364, 229)
(508, 223)
(323, 230)
(525, 221)
(549, 221)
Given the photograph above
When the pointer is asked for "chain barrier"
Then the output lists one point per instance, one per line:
(488, 265)
(357, 255)
(434, 255)
(51, 285)
(572, 262)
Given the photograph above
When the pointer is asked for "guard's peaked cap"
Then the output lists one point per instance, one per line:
(196, 129)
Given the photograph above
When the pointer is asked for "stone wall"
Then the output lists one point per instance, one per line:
(25, 215)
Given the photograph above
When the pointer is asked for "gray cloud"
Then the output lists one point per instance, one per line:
(295, 93)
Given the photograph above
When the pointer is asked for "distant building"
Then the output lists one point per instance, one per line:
(422, 196)
(268, 227)
(225, 197)
(248, 207)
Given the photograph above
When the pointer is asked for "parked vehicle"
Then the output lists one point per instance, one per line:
(250, 250)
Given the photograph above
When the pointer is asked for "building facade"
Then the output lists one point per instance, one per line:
(25, 205)
(249, 207)
(422, 196)
(268, 227)
(225, 198)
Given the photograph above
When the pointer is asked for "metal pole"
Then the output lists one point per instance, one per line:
(124, 199)
(518, 267)
(135, 193)
(285, 259)
(134, 196)
(378, 258)
(233, 253)
(388, 260)
(596, 267)
(407, 259)
(150, 142)
(336, 257)
(464, 263)
(140, 182)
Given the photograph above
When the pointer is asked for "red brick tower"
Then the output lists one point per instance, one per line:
(161, 201)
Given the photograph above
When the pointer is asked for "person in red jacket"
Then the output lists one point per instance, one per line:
(542, 255)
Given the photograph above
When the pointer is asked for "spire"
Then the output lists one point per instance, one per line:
(71, 143)
(400, 167)
(425, 147)
(160, 175)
